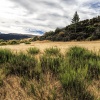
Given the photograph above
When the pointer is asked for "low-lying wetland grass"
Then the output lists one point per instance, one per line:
(74, 71)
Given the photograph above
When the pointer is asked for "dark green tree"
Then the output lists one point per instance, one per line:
(75, 20)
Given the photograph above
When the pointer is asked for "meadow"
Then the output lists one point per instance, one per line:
(50, 71)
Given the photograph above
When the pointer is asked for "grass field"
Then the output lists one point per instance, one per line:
(45, 70)
(90, 45)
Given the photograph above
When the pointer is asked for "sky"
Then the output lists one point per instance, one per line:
(39, 16)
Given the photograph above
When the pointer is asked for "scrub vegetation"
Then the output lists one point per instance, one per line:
(74, 75)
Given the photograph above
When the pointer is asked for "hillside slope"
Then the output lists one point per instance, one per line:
(88, 29)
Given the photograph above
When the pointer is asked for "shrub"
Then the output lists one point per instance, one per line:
(23, 65)
(3, 43)
(73, 75)
(27, 42)
(51, 63)
(79, 58)
(1, 40)
(13, 42)
(5, 55)
(52, 51)
(33, 51)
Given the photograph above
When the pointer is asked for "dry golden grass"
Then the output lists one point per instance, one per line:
(48, 89)
(90, 45)
(94, 89)
(12, 90)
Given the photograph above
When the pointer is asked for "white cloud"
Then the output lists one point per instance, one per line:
(18, 16)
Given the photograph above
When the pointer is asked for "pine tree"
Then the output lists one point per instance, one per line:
(75, 20)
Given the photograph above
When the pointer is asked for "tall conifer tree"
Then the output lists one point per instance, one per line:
(75, 20)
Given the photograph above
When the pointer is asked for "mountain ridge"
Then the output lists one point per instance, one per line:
(16, 36)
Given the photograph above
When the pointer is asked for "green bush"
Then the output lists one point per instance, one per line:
(5, 55)
(50, 63)
(3, 43)
(27, 42)
(1, 40)
(79, 58)
(23, 65)
(74, 73)
(13, 42)
(33, 51)
(52, 51)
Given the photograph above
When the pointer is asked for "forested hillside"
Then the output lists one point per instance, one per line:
(88, 29)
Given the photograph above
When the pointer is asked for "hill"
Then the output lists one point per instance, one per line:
(88, 29)
(12, 36)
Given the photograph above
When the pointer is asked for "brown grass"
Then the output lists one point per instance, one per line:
(11, 90)
(90, 45)
(94, 89)
(47, 89)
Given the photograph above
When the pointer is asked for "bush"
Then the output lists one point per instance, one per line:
(5, 55)
(79, 58)
(3, 43)
(52, 51)
(27, 42)
(1, 40)
(33, 51)
(51, 63)
(23, 65)
(74, 72)
(13, 42)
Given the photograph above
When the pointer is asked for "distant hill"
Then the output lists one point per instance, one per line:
(88, 29)
(16, 36)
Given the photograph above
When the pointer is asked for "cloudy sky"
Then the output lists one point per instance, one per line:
(39, 16)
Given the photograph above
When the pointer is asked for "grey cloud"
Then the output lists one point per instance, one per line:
(71, 2)
(27, 4)
(48, 14)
